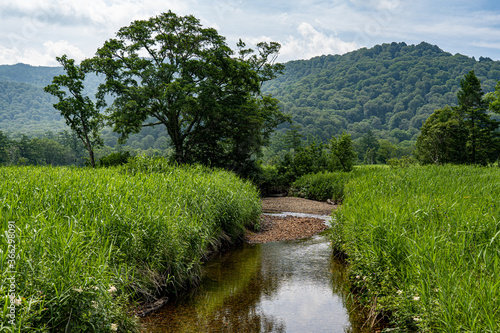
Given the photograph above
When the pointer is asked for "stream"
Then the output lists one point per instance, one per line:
(289, 286)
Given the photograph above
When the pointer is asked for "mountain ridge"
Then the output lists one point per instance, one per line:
(389, 89)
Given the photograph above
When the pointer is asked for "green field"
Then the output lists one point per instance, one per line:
(87, 242)
(423, 245)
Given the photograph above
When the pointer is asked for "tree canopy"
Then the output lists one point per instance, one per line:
(169, 70)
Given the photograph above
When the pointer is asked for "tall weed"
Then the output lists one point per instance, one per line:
(423, 245)
(89, 241)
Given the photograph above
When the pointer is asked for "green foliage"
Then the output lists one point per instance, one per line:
(462, 134)
(422, 245)
(4, 145)
(24, 107)
(61, 149)
(208, 101)
(270, 181)
(321, 186)
(306, 159)
(342, 153)
(390, 89)
(114, 159)
(443, 138)
(472, 106)
(403, 162)
(79, 111)
(88, 241)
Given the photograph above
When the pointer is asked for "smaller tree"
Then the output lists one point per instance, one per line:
(472, 106)
(342, 153)
(80, 113)
(367, 148)
(442, 139)
(4, 145)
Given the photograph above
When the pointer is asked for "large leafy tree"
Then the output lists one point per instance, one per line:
(169, 70)
(79, 111)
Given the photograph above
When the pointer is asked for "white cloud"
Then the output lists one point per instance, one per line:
(44, 57)
(311, 42)
(61, 47)
(377, 4)
(487, 45)
(33, 27)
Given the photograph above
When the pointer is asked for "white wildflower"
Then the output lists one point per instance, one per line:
(416, 318)
(114, 327)
(399, 292)
(112, 289)
(416, 298)
(17, 301)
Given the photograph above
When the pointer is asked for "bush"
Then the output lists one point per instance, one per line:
(270, 181)
(321, 186)
(114, 159)
(402, 162)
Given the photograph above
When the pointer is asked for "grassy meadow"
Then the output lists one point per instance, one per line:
(78, 245)
(423, 246)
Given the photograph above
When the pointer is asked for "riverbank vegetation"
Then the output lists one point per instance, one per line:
(422, 242)
(423, 246)
(87, 242)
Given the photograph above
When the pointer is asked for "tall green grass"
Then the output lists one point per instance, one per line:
(424, 246)
(327, 185)
(80, 234)
(321, 186)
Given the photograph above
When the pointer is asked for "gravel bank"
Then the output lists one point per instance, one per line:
(287, 228)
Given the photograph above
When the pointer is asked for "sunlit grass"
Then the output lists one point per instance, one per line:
(81, 233)
(424, 242)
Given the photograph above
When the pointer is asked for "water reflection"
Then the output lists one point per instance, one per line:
(290, 286)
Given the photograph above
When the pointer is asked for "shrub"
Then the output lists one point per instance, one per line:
(114, 159)
(321, 186)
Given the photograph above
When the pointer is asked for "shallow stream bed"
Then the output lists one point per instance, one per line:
(288, 286)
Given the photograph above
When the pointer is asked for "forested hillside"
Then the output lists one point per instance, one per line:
(390, 89)
(24, 106)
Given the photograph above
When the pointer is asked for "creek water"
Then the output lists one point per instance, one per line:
(289, 286)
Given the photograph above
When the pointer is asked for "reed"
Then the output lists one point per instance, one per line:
(87, 242)
(423, 244)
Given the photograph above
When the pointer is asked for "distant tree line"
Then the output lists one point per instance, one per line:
(51, 149)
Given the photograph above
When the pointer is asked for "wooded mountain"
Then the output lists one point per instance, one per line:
(24, 106)
(390, 89)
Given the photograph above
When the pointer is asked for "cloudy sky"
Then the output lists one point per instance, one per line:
(36, 31)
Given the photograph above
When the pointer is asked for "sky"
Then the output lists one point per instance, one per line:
(35, 32)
